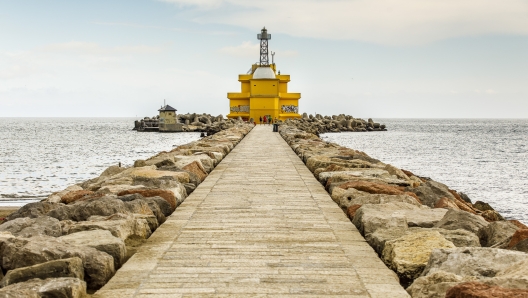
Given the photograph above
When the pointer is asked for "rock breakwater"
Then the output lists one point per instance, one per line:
(76, 239)
(336, 123)
(190, 123)
(434, 238)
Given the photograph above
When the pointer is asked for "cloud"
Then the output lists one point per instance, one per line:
(389, 22)
(246, 49)
(90, 48)
(133, 25)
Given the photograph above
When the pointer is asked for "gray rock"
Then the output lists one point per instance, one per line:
(457, 219)
(70, 267)
(425, 217)
(521, 246)
(142, 207)
(163, 205)
(472, 261)
(378, 239)
(465, 197)
(189, 187)
(65, 287)
(497, 234)
(33, 210)
(101, 240)
(460, 238)
(346, 198)
(81, 211)
(24, 252)
(370, 218)
(431, 191)
(29, 227)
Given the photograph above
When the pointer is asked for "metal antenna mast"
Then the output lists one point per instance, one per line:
(264, 37)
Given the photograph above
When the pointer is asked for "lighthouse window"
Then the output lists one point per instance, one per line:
(255, 85)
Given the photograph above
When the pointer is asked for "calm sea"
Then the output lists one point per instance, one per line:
(39, 156)
(484, 158)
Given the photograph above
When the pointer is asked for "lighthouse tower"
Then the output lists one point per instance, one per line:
(263, 91)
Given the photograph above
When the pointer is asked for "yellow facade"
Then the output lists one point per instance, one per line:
(263, 96)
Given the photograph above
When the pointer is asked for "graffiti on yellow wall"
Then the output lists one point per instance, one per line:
(290, 109)
(239, 108)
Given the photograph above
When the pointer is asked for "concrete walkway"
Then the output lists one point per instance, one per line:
(260, 225)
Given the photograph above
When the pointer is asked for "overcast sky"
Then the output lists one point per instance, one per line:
(367, 58)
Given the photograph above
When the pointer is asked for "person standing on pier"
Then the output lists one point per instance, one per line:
(265, 120)
(270, 120)
(260, 122)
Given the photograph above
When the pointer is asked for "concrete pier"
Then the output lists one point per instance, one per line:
(260, 225)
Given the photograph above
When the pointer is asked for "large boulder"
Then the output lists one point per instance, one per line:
(497, 234)
(76, 195)
(57, 196)
(81, 211)
(121, 226)
(33, 210)
(435, 285)
(482, 290)
(431, 192)
(70, 267)
(101, 240)
(457, 219)
(24, 252)
(29, 227)
(204, 162)
(167, 195)
(460, 238)
(377, 188)
(197, 169)
(64, 287)
(370, 218)
(519, 240)
(409, 254)
(472, 261)
(346, 198)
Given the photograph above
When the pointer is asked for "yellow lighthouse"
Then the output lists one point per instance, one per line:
(263, 91)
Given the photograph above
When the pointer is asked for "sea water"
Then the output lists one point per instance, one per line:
(487, 159)
(39, 156)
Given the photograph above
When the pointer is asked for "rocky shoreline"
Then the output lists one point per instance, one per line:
(71, 243)
(336, 123)
(435, 239)
(190, 123)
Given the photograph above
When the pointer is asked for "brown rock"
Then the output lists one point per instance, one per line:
(482, 206)
(518, 236)
(377, 188)
(351, 211)
(73, 196)
(464, 206)
(197, 169)
(518, 224)
(446, 203)
(491, 215)
(167, 195)
(480, 290)
(408, 173)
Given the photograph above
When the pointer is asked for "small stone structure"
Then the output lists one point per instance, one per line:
(168, 121)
